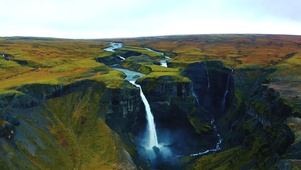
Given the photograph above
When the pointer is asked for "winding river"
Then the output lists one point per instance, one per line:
(151, 134)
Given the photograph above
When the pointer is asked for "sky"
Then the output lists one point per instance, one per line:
(137, 18)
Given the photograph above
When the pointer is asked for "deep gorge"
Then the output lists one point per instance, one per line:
(213, 116)
(175, 109)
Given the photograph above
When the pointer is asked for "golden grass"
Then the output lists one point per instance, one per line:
(247, 49)
(50, 61)
(70, 60)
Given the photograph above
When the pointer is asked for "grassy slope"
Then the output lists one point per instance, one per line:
(82, 135)
(74, 138)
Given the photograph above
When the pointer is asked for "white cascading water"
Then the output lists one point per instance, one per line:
(196, 98)
(152, 134)
(226, 91)
(208, 82)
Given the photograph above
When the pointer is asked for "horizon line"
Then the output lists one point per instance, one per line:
(150, 36)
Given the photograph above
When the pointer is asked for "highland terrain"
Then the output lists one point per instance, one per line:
(220, 102)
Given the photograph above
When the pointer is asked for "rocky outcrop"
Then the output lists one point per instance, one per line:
(123, 109)
(41, 91)
(109, 60)
(131, 54)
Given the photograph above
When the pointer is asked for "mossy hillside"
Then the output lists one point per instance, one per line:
(287, 80)
(256, 154)
(89, 139)
(238, 157)
(224, 160)
(65, 74)
(76, 137)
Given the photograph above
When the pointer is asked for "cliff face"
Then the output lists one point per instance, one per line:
(212, 85)
(55, 126)
(254, 124)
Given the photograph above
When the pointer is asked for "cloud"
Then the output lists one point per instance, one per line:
(126, 18)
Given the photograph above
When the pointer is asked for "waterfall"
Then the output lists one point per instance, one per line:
(226, 91)
(207, 73)
(152, 134)
(196, 98)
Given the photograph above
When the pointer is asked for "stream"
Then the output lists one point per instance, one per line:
(163, 63)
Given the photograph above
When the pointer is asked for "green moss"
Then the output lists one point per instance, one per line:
(260, 107)
(199, 126)
(166, 76)
(90, 142)
(224, 160)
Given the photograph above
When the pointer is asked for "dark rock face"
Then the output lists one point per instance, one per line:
(42, 91)
(171, 102)
(7, 57)
(266, 113)
(131, 54)
(124, 110)
(210, 82)
(21, 62)
(294, 150)
(7, 131)
(109, 60)
(24, 101)
(256, 121)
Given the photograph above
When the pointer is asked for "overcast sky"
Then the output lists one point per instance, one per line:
(134, 18)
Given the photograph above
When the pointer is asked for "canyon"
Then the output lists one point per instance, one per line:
(175, 102)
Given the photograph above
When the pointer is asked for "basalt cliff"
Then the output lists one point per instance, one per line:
(218, 102)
